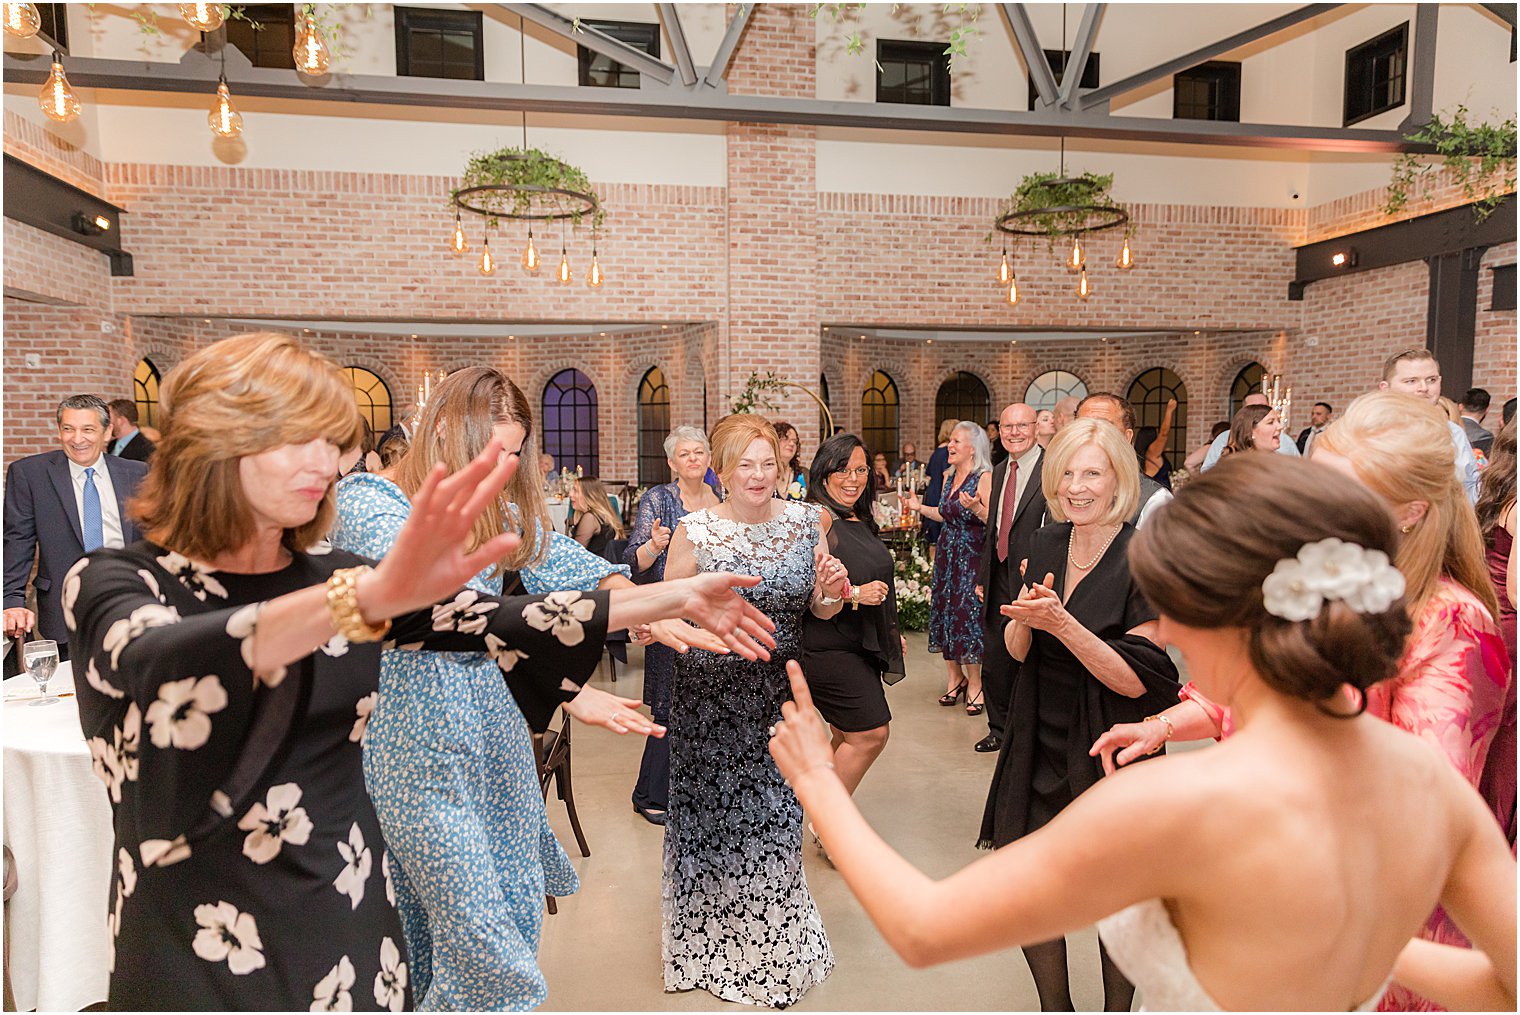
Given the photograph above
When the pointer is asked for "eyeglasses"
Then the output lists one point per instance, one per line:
(860, 473)
(1016, 427)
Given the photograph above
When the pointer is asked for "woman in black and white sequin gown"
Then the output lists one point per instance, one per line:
(739, 921)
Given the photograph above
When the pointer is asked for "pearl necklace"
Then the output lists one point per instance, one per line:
(1097, 556)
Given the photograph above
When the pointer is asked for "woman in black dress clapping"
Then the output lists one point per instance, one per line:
(851, 653)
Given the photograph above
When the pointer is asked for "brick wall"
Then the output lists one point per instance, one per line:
(1494, 344)
(77, 350)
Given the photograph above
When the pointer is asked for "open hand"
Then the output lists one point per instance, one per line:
(711, 602)
(681, 636)
(972, 502)
(799, 742)
(1131, 740)
(914, 501)
(595, 707)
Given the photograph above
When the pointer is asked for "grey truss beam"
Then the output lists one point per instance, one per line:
(1505, 12)
(717, 74)
(671, 19)
(597, 42)
(197, 74)
(1421, 95)
(1034, 57)
(1081, 50)
(1099, 96)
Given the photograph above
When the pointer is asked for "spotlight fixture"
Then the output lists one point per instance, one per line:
(86, 224)
(1344, 258)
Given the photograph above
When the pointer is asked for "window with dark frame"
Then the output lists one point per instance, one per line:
(570, 428)
(145, 392)
(1058, 58)
(1149, 394)
(1210, 91)
(373, 396)
(1376, 74)
(599, 71)
(271, 44)
(55, 23)
(878, 417)
(432, 42)
(912, 73)
(654, 426)
(1503, 297)
(963, 396)
(1052, 386)
(1248, 382)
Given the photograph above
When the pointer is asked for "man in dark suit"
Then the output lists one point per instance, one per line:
(1116, 409)
(60, 505)
(127, 440)
(1014, 509)
(1474, 409)
(1319, 418)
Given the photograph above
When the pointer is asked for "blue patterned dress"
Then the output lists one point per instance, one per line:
(955, 614)
(449, 765)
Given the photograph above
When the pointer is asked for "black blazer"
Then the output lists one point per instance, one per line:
(138, 449)
(42, 519)
(1030, 515)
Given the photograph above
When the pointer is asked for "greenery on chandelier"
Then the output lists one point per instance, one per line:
(1053, 190)
(323, 16)
(1479, 156)
(757, 390)
(533, 174)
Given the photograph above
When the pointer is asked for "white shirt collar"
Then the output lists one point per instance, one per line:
(76, 471)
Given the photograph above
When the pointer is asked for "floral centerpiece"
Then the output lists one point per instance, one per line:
(914, 576)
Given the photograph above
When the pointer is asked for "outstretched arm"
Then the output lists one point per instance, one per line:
(1158, 446)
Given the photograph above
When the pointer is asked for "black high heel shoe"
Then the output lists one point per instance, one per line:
(975, 707)
(953, 695)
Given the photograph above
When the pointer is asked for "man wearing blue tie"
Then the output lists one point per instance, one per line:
(60, 505)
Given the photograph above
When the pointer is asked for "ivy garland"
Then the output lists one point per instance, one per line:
(1481, 157)
(1053, 190)
(756, 392)
(528, 168)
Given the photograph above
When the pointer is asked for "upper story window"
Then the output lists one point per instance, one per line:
(1376, 72)
(1058, 58)
(272, 42)
(601, 71)
(1210, 91)
(915, 73)
(432, 42)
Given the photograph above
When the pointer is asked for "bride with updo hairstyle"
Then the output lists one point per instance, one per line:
(1288, 868)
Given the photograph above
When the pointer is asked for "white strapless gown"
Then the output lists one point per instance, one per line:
(1144, 942)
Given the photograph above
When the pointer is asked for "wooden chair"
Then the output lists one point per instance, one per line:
(552, 751)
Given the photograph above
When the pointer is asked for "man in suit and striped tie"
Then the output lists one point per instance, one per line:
(60, 505)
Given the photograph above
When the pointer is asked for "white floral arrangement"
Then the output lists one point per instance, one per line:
(1328, 571)
(913, 579)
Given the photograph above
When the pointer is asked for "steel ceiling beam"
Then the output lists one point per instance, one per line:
(1423, 70)
(1504, 12)
(717, 74)
(1076, 63)
(671, 19)
(597, 42)
(1034, 57)
(1099, 96)
(197, 74)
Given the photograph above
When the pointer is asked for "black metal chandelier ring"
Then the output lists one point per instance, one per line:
(1103, 217)
(586, 203)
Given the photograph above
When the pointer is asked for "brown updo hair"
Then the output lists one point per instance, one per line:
(733, 435)
(1200, 560)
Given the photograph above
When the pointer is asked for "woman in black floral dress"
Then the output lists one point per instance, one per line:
(229, 672)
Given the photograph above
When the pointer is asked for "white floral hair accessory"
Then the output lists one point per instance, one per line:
(1331, 569)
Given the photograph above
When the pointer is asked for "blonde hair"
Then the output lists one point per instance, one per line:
(946, 429)
(238, 397)
(1400, 446)
(1121, 458)
(456, 425)
(733, 435)
(594, 491)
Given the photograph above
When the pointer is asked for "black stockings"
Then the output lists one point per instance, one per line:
(1047, 963)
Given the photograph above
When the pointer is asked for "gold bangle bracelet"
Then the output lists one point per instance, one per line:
(343, 607)
(1170, 731)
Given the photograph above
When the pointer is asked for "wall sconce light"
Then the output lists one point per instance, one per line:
(1344, 258)
(90, 225)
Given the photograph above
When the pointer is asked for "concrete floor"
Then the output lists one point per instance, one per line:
(925, 795)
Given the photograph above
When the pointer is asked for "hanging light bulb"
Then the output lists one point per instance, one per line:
(310, 50)
(1078, 255)
(21, 20)
(564, 266)
(57, 99)
(1005, 270)
(1084, 288)
(458, 244)
(530, 258)
(487, 262)
(224, 120)
(1126, 259)
(594, 273)
(1013, 290)
(202, 17)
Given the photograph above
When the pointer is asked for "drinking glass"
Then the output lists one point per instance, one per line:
(41, 658)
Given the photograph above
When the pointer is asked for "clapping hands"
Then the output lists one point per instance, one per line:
(1038, 607)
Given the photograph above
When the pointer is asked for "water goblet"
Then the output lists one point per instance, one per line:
(41, 659)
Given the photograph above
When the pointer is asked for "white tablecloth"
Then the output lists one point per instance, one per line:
(559, 514)
(58, 826)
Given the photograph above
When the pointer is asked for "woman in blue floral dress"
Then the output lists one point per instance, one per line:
(955, 625)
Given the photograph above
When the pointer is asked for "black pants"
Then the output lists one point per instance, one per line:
(998, 667)
(652, 791)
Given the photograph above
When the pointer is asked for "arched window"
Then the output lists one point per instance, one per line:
(1247, 382)
(373, 398)
(878, 417)
(1149, 394)
(1052, 386)
(654, 425)
(823, 419)
(570, 433)
(145, 392)
(963, 396)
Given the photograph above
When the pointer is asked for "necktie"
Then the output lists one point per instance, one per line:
(94, 526)
(1009, 507)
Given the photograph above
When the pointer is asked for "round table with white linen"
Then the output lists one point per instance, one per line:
(559, 514)
(58, 828)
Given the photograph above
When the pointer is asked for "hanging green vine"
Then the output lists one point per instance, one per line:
(1480, 157)
(528, 167)
(1051, 190)
(755, 395)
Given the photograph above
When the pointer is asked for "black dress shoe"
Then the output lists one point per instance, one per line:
(653, 815)
(988, 745)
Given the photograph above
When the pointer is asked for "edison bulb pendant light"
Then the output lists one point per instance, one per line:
(1013, 291)
(224, 120)
(564, 266)
(458, 244)
(487, 262)
(202, 17)
(310, 50)
(530, 258)
(594, 273)
(1126, 257)
(57, 99)
(1084, 288)
(1078, 256)
(1005, 270)
(21, 20)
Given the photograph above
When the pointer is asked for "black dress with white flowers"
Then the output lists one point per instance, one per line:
(250, 872)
